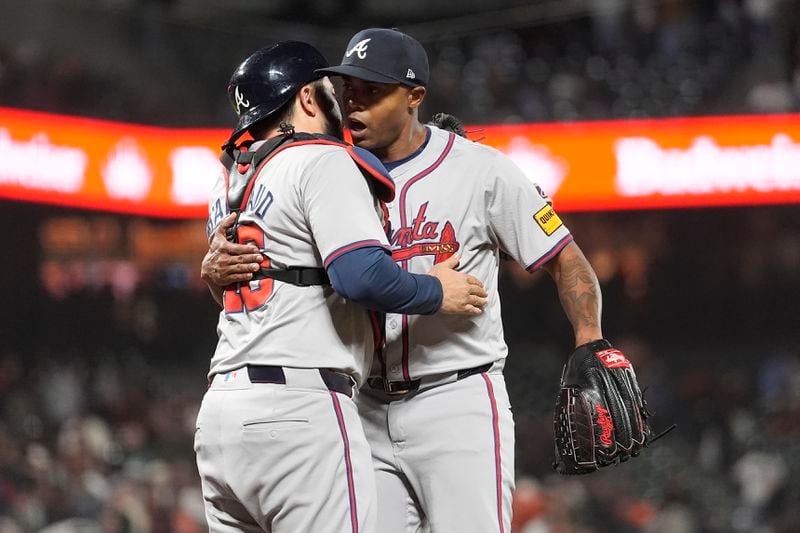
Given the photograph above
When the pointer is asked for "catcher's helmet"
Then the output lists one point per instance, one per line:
(269, 78)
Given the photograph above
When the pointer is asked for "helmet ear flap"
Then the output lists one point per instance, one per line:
(270, 78)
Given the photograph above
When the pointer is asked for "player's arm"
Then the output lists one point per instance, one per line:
(529, 230)
(370, 277)
(365, 275)
(579, 292)
(226, 262)
(339, 208)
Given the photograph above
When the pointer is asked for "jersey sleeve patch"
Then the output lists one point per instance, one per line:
(548, 220)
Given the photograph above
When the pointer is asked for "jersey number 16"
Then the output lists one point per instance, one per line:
(249, 295)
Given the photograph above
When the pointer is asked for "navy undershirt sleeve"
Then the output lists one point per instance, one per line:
(369, 276)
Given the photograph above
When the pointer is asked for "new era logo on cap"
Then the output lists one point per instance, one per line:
(384, 56)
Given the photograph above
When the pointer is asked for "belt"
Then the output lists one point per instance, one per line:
(399, 388)
(335, 381)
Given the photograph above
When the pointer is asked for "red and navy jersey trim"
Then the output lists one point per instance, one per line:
(352, 246)
(403, 219)
(498, 464)
(421, 175)
(351, 489)
(554, 251)
(391, 165)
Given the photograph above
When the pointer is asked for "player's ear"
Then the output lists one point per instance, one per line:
(416, 96)
(307, 100)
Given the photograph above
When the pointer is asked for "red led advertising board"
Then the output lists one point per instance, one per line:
(594, 166)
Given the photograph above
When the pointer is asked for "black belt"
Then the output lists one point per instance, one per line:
(335, 381)
(398, 388)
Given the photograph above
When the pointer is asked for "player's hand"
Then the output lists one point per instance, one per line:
(227, 262)
(463, 294)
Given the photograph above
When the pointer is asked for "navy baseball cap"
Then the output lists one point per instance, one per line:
(384, 56)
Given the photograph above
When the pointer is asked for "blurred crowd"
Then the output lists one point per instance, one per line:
(613, 59)
(629, 59)
(93, 442)
(99, 388)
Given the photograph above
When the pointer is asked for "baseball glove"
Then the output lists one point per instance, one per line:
(600, 418)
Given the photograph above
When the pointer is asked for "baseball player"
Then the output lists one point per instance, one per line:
(279, 443)
(435, 409)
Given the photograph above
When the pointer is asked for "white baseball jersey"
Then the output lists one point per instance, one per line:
(295, 214)
(464, 197)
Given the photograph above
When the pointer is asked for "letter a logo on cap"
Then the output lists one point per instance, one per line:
(410, 74)
(360, 49)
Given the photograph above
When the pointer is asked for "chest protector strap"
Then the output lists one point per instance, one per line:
(242, 166)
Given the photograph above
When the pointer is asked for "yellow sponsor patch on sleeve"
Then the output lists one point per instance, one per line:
(547, 220)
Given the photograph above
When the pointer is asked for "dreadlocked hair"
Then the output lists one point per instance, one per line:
(448, 122)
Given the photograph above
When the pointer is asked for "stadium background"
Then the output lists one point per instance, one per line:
(107, 330)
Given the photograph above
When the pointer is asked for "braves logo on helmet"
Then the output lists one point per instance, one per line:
(240, 101)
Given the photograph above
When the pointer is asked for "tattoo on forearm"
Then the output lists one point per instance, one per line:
(579, 291)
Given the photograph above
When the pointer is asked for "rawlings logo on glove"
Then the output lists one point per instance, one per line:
(606, 425)
(613, 358)
(600, 418)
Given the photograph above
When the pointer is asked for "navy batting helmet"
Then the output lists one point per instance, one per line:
(269, 78)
